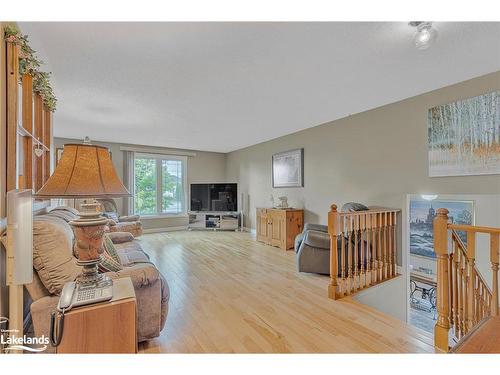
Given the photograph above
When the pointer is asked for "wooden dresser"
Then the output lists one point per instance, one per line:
(279, 227)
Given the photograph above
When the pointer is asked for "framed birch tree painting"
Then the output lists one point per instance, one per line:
(464, 137)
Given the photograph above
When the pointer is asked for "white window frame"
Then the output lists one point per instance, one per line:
(159, 214)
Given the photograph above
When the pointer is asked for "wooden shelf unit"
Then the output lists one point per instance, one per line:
(279, 227)
(33, 129)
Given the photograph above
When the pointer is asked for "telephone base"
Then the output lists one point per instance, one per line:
(96, 281)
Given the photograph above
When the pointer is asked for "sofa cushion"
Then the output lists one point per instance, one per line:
(66, 215)
(52, 252)
(121, 237)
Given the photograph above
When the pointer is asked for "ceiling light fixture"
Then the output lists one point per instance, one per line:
(429, 197)
(425, 34)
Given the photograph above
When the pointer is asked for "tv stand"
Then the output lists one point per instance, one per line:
(214, 220)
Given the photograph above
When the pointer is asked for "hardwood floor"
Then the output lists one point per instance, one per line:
(231, 294)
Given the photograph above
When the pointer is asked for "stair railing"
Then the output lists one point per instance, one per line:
(362, 249)
(464, 298)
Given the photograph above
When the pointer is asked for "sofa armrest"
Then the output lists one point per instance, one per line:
(129, 218)
(40, 315)
(120, 237)
(141, 274)
(317, 239)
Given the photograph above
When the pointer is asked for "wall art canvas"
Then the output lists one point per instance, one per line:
(288, 169)
(464, 137)
(422, 214)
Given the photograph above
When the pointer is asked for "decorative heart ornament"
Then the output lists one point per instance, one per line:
(38, 152)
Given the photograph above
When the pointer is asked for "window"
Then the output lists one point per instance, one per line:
(159, 185)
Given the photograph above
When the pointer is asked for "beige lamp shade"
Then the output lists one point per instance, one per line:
(84, 171)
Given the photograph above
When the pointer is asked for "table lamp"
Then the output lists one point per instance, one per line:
(85, 171)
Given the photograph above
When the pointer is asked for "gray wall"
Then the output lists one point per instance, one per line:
(204, 167)
(375, 157)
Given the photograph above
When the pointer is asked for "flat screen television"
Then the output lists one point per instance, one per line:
(214, 197)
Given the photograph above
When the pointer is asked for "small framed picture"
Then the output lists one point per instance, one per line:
(288, 169)
(59, 152)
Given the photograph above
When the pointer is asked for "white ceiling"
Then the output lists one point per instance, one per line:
(225, 86)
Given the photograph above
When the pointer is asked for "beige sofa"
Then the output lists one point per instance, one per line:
(54, 265)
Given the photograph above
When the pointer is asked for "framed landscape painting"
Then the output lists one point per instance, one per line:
(464, 137)
(288, 169)
(422, 214)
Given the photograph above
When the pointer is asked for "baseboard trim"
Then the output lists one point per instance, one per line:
(165, 229)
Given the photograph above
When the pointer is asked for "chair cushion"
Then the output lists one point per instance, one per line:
(53, 252)
(111, 215)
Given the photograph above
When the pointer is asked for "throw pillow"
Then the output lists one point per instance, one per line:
(53, 252)
(109, 248)
(108, 264)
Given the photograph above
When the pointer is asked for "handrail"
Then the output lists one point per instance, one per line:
(463, 296)
(463, 249)
(371, 210)
(472, 228)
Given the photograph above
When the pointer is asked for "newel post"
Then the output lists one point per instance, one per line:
(443, 303)
(494, 249)
(333, 229)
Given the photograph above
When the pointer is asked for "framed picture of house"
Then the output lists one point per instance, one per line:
(464, 137)
(288, 169)
(422, 214)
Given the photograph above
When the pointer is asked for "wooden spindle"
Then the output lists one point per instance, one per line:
(462, 296)
(393, 243)
(368, 250)
(46, 140)
(349, 255)
(456, 291)
(373, 218)
(38, 131)
(342, 256)
(356, 282)
(362, 229)
(443, 303)
(471, 255)
(389, 245)
(494, 258)
(333, 230)
(451, 291)
(27, 121)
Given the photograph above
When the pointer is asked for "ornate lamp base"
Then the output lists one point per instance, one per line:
(89, 232)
